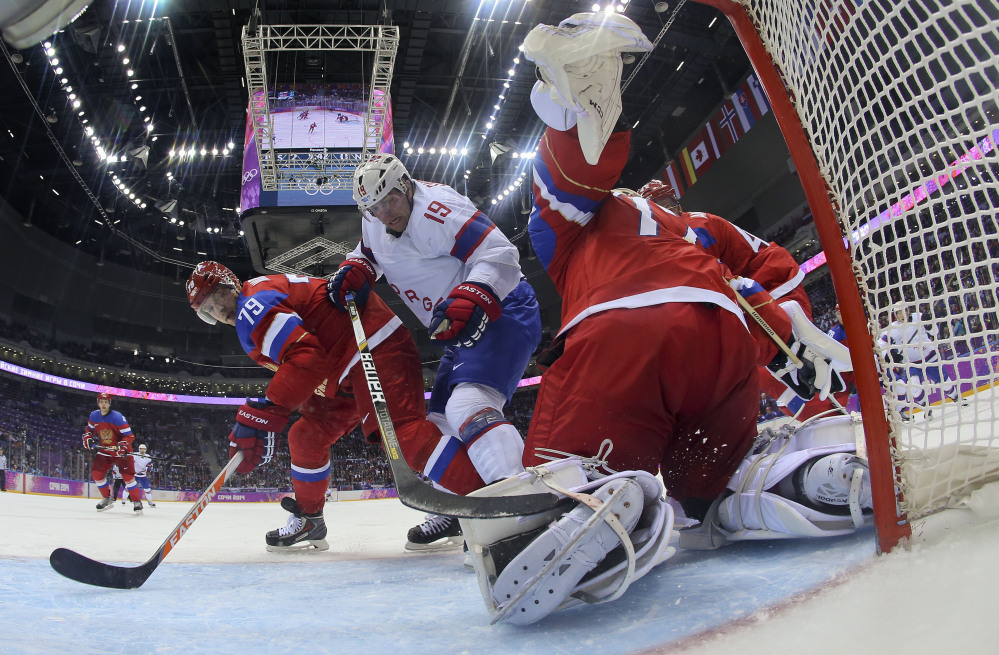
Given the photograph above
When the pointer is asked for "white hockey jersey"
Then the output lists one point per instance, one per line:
(141, 464)
(447, 241)
(908, 343)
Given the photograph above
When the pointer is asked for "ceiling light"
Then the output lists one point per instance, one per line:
(215, 151)
(130, 72)
(203, 152)
(231, 145)
(405, 145)
(121, 48)
(225, 151)
(142, 108)
(511, 72)
(135, 86)
(125, 61)
(55, 62)
(64, 81)
(138, 98)
(58, 71)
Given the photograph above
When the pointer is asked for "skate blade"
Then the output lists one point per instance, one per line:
(318, 544)
(451, 543)
(139, 513)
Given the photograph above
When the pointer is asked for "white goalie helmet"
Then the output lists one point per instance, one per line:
(375, 178)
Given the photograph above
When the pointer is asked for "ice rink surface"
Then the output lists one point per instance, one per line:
(219, 591)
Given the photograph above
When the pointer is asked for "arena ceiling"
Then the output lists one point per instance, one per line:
(185, 78)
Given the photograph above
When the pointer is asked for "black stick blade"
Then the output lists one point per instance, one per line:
(77, 567)
(416, 494)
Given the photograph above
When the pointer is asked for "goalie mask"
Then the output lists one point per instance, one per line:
(375, 178)
(661, 193)
(207, 276)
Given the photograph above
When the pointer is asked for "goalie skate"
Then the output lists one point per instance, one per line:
(301, 531)
(436, 533)
(541, 577)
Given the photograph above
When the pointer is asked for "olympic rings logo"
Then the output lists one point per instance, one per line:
(249, 175)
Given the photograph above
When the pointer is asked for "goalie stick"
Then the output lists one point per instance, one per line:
(78, 567)
(415, 493)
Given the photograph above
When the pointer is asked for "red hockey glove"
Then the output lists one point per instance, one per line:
(123, 448)
(462, 317)
(355, 275)
(89, 442)
(257, 425)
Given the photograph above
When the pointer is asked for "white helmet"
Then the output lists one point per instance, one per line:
(376, 177)
(142, 447)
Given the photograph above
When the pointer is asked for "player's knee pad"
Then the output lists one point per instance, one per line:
(608, 533)
(797, 482)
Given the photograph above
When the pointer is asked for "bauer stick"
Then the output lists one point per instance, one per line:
(78, 567)
(415, 493)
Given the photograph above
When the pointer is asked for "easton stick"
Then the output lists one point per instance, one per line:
(83, 569)
(415, 493)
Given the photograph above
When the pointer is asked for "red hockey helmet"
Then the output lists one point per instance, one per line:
(104, 396)
(658, 192)
(204, 279)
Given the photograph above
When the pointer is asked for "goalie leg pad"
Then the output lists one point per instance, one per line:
(802, 483)
(577, 544)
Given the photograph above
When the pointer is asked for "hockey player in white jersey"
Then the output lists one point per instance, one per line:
(804, 482)
(461, 277)
(911, 356)
(141, 462)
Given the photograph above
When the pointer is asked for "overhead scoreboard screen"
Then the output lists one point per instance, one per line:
(310, 120)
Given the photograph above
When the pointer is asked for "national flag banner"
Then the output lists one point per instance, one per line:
(732, 122)
(763, 106)
(704, 149)
(671, 174)
(700, 154)
(744, 106)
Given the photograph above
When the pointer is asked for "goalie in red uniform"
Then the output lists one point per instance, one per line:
(110, 436)
(654, 370)
(286, 323)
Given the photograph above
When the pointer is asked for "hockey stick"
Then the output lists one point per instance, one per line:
(794, 359)
(83, 569)
(415, 493)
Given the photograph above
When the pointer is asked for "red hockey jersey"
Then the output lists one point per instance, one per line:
(601, 249)
(287, 324)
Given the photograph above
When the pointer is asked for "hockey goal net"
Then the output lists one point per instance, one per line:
(889, 109)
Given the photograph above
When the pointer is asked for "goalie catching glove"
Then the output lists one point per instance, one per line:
(257, 426)
(815, 376)
(354, 275)
(462, 317)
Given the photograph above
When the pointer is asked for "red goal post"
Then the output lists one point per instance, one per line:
(890, 112)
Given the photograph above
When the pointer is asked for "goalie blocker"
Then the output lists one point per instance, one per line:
(612, 530)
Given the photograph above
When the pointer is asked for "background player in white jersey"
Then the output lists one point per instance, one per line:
(141, 461)
(461, 277)
(912, 357)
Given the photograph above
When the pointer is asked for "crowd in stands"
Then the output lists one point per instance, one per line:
(102, 354)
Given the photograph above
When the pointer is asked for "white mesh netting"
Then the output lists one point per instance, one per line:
(899, 102)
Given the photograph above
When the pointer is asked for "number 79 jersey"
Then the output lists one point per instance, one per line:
(446, 242)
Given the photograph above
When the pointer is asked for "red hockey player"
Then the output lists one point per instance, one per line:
(787, 311)
(286, 323)
(109, 435)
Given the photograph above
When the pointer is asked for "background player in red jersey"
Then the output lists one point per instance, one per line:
(110, 437)
(286, 324)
